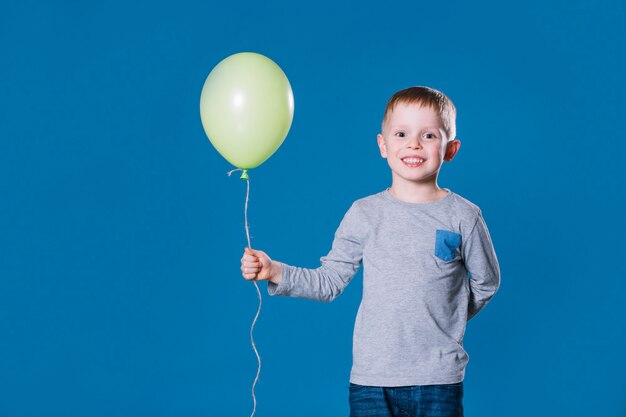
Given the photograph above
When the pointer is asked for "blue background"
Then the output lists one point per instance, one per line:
(121, 234)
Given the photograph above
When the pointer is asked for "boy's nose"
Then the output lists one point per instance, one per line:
(415, 143)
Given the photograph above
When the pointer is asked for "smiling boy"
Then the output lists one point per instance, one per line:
(429, 266)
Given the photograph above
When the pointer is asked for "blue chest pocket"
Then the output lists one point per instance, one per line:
(446, 244)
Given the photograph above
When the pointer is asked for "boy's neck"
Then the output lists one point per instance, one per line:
(417, 193)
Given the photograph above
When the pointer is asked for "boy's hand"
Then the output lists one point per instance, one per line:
(256, 265)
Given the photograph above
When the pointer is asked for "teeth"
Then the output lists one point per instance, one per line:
(412, 160)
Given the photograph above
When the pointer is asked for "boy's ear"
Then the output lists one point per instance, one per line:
(451, 149)
(382, 145)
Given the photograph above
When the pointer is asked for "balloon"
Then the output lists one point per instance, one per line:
(246, 107)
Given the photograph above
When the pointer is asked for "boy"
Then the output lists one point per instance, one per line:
(428, 267)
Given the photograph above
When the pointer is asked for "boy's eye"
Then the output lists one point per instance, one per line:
(432, 135)
(400, 134)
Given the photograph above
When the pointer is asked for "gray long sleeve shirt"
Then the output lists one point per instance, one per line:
(427, 269)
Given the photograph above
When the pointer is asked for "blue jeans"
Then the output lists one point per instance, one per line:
(444, 400)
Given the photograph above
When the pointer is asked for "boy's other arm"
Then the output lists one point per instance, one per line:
(337, 268)
(482, 264)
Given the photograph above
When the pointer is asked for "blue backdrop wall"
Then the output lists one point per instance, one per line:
(121, 233)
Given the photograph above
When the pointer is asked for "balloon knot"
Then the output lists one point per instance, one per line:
(244, 173)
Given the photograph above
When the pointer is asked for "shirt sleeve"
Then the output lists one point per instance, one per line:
(482, 264)
(337, 268)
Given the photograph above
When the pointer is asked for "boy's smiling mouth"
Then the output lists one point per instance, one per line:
(412, 162)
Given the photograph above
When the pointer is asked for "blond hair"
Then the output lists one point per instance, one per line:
(428, 97)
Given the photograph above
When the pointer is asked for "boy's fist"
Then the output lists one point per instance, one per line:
(256, 265)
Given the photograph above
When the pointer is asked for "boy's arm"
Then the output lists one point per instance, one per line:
(482, 264)
(337, 268)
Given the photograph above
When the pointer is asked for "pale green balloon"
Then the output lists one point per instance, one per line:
(246, 107)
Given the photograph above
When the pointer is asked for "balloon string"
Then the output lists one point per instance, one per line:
(244, 176)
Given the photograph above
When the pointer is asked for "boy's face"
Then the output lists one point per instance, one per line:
(415, 144)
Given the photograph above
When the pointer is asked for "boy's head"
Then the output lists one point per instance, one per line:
(418, 134)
